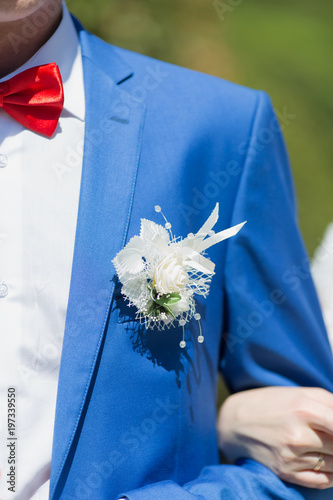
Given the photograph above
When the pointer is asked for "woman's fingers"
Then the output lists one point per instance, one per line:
(320, 395)
(325, 443)
(321, 418)
(311, 441)
(310, 461)
(313, 412)
(310, 479)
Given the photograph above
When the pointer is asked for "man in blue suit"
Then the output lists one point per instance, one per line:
(136, 414)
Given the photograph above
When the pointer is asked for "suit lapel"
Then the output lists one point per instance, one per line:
(111, 153)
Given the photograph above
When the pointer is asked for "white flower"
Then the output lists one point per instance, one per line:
(170, 276)
(161, 274)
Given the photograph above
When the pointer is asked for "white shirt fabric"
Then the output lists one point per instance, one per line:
(322, 272)
(39, 194)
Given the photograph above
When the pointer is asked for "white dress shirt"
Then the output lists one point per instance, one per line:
(322, 271)
(39, 194)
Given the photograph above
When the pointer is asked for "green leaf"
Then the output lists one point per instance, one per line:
(168, 300)
(169, 311)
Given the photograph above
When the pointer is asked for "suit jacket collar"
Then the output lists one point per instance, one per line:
(111, 156)
(103, 55)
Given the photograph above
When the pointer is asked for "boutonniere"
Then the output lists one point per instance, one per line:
(161, 274)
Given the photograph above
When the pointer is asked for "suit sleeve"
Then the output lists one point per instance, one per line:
(274, 331)
(248, 480)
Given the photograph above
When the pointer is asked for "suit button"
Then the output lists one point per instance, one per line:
(3, 290)
(3, 161)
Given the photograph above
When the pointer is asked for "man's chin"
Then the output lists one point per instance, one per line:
(16, 10)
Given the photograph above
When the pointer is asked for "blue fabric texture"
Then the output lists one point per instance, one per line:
(136, 414)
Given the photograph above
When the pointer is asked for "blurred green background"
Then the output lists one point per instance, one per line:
(282, 47)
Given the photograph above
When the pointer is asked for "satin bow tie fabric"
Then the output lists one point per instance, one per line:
(34, 98)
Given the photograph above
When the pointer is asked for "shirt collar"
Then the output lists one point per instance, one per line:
(64, 49)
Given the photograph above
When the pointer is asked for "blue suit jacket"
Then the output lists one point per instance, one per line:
(136, 413)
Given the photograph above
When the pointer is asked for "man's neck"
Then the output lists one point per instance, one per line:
(20, 40)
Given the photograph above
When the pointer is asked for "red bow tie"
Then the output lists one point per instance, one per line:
(34, 98)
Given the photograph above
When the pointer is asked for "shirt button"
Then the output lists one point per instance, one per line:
(3, 161)
(3, 290)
